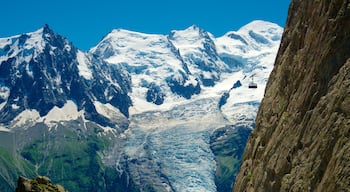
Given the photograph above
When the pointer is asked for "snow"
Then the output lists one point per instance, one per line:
(14, 106)
(4, 42)
(2, 105)
(192, 44)
(236, 46)
(149, 58)
(267, 29)
(187, 40)
(27, 117)
(4, 92)
(107, 110)
(68, 112)
(30, 117)
(138, 49)
(35, 41)
(83, 66)
(4, 129)
(24, 52)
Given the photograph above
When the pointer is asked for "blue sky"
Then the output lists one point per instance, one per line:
(86, 22)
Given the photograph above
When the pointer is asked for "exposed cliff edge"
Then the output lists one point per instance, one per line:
(302, 138)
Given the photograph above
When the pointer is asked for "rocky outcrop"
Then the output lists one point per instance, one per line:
(41, 183)
(302, 136)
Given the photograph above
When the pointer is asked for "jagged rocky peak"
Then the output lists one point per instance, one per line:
(43, 70)
(33, 67)
(26, 44)
(301, 141)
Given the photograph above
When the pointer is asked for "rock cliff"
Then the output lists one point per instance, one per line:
(302, 136)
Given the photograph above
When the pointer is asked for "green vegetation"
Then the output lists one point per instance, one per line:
(69, 157)
(68, 153)
(11, 167)
(228, 144)
(250, 176)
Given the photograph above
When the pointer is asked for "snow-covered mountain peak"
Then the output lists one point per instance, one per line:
(191, 34)
(259, 25)
(28, 45)
(120, 39)
(251, 40)
(262, 29)
(123, 34)
(136, 49)
(155, 66)
(24, 44)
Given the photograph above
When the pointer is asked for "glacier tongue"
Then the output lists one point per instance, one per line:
(174, 146)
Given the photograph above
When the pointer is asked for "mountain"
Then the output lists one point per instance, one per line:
(301, 140)
(42, 70)
(59, 107)
(137, 112)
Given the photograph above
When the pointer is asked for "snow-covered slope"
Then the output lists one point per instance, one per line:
(194, 60)
(158, 74)
(161, 96)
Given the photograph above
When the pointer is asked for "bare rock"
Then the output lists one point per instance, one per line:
(302, 136)
(39, 184)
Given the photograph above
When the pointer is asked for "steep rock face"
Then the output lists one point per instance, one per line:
(301, 142)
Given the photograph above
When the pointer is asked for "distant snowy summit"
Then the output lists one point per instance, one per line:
(170, 69)
(42, 70)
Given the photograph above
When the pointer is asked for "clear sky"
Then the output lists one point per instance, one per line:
(86, 22)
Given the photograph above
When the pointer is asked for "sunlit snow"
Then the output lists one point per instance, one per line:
(83, 67)
(68, 112)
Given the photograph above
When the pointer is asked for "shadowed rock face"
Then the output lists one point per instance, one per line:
(302, 136)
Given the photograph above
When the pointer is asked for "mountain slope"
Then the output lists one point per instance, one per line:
(301, 142)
